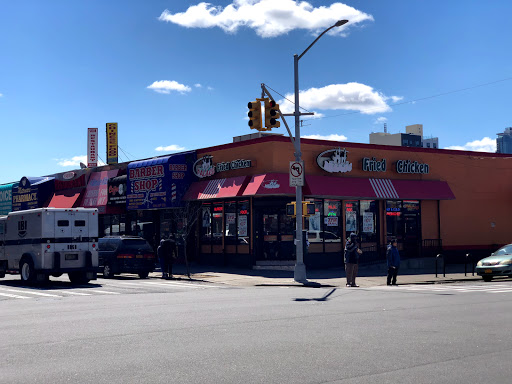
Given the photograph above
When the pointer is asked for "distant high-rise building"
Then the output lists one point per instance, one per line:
(413, 137)
(504, 141)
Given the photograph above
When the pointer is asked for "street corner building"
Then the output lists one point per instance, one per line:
(433, 201)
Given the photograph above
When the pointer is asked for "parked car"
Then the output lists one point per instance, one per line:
(125, 254)
(498, 264)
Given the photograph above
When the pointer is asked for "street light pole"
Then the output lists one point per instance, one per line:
(299, 274)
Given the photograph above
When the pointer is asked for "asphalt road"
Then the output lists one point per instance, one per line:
(128, 330)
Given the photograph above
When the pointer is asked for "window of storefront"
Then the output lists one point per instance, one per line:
(230, 222)
(332, 224)
(394, 219)
(206, 224)
(368, 217)
(217, 219)
(351, 217)
(243, 221)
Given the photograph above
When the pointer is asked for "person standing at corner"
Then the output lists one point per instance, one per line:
(351, 256)
(393, 259)
(161, 253)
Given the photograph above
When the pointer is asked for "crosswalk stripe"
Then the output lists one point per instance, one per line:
(14, 296)
(30, 292)
(74, 293)
(494, 288)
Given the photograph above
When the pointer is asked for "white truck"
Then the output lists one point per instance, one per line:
(37, 243)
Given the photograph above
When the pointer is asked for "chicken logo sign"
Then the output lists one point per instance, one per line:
(334, 160)
(204, 167)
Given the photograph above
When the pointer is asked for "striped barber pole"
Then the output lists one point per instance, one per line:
(212, 189)
(384, 188)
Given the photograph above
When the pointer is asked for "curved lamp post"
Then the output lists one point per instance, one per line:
(300, 268)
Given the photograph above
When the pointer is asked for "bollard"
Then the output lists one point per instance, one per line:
(437, 257)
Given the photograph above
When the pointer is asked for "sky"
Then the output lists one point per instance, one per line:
(177, 75)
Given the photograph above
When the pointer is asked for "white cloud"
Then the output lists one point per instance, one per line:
(333, 137)
(485, 145)
(269, 18)
(351, 96)
(396, 99)
(75, 161)
(210, 88)
(1, 95)
(197, 85)
(170, 148)
(166, 86)
(380, 120)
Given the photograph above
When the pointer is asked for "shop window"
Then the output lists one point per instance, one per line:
(394, 219)
(351, 217)
(243, 222)
(368, 217)
(206, 224)
(332, 224)
(217, 219)
(313, 224)
(230, 222)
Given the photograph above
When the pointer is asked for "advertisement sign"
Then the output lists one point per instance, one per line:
(350, 221)
(334, 161)
(92, 147)
(111, 143)
(242, 225)
(96, 193)
(32, 193)
(117, 190)
(331, 221)
(6, 198)
(368, 222)
(160, 182)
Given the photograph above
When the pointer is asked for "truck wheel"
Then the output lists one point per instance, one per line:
(27, 272)
(487, 278)
(143, 275)
(108, 273)
(78, 277)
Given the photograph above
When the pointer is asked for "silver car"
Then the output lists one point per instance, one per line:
(498, 264)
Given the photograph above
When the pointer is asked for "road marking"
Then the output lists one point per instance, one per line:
(102, 291)
(30, 292)
(495, 288)
(14, 296)
(73, 293)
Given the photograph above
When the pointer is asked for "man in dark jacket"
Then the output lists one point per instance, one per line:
(351, 257)
(393, 258)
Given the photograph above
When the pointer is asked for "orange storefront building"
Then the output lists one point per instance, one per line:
(429, 199)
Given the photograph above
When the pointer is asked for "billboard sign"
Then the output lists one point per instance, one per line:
(92, 147)
(6, 198)
(111, 143)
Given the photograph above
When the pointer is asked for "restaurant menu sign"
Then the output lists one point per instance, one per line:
(160, 182)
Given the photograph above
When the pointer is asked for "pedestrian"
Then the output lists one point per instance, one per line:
(160, 252)
(393, 259)
(351, 256)
(171, 253)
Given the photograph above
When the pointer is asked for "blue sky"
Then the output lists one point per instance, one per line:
(178, 75)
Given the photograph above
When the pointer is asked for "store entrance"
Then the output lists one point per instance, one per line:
(274, 234)
(403, 221)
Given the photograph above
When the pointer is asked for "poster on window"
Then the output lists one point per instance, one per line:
(331, 221)
(242, 225)
(368, 222)
(206, 218)
(230, 218)
(314, 222)
(351, 221)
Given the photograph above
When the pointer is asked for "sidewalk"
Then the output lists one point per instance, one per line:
(367, 276)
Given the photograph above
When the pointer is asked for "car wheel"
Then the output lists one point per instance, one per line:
(107, 271)
(56, 274)
(27, 272)
(143, 275)
(487, 278)
(78, 277)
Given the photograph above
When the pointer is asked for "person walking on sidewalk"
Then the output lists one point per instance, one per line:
(393, 259)
(351, 256)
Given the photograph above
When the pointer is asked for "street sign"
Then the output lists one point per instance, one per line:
(297, 173)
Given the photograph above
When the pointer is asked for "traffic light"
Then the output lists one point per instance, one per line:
(290, 209)
(271, 114)
(308, 209)
(255, 115)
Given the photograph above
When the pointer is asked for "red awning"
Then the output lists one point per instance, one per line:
(270, 184)
(66, 198)
(346, 187)
(216, 189)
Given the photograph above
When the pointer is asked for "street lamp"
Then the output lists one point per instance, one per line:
(299, 274)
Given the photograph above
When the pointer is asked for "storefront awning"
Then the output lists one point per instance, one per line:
(362, 188)
(270, 184)
(216, 189)
(66, 198)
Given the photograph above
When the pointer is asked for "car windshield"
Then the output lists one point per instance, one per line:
(506, 250)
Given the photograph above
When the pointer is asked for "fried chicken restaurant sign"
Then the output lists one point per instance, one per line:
(204, 166)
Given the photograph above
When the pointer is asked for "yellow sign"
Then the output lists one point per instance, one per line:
(111, 143)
